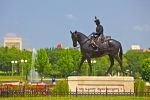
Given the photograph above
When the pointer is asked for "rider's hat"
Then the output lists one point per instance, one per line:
(97, 20)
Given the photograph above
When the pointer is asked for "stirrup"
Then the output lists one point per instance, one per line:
(96, 50)
(95, 47)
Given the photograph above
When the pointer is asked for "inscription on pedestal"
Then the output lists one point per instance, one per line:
(101, 84)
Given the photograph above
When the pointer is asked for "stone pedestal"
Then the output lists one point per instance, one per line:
(101, 83)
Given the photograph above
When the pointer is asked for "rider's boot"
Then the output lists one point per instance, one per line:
(95, 47)
(92, 44)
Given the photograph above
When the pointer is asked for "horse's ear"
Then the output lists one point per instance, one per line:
(71, 32)
(75, 31)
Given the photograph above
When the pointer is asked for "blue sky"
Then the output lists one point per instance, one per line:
(45, 23)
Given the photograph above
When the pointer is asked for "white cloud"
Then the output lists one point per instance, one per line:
(142, 28)
(70, 17)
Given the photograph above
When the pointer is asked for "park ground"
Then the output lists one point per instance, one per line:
(77, 98)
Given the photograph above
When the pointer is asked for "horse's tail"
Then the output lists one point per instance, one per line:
(121, 52)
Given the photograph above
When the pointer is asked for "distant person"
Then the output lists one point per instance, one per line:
(53, 81)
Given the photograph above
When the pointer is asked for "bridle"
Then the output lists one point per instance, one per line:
(83, 42)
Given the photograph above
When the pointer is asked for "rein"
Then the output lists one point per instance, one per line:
(85, 40)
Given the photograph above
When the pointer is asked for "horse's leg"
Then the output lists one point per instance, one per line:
(111, 58)
(89, 62)
(81, 62)
(120, 63)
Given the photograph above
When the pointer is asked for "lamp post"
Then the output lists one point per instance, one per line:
(12, 68)
(93, 62)
(23, 61)
(86, 68)
(12, 62)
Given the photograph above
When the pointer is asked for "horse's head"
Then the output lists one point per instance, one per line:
(74, 37)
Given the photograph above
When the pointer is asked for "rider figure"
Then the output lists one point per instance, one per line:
(97, 34)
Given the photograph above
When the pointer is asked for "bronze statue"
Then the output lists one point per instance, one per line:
(111, 47)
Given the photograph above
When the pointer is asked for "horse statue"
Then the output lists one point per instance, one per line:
(110, 47)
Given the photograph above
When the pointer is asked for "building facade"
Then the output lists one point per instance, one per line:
(135, 47)
(13, 42)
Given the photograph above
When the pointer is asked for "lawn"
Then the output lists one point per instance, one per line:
(76, 98)
(10, 78)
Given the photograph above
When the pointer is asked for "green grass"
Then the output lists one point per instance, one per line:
(76, 98)
(10, 78)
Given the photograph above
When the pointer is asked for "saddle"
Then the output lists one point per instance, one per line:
(101, 42)
(101, 39)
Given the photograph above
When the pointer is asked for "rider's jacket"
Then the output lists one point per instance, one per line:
(99, 30)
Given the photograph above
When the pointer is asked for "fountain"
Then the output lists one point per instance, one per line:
(33, 75)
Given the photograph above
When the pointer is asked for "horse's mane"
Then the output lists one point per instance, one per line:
(82, 35)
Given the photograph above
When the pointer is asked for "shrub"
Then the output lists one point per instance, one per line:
(61, 88)
(139, 87)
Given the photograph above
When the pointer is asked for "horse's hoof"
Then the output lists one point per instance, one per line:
(108, 74)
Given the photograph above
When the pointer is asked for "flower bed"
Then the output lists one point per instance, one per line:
(25, 90)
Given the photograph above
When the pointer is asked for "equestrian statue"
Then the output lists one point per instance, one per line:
(97, 46)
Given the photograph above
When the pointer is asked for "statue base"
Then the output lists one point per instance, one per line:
(101, 84)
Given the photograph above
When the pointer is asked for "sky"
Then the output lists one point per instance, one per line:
(45, 23)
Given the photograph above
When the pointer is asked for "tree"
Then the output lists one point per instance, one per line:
(146, 69)
(42, 63)
(134, 60)
(101, 65)
(65, 63)
(7, 55)
(54, 55)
